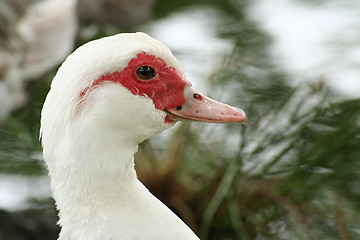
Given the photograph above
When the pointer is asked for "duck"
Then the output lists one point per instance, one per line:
(106, 98)
(35, 36)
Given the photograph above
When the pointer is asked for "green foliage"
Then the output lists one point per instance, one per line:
(296, 172)
(20, 150)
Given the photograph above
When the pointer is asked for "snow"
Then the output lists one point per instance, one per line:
(313, 41)
(15, 190)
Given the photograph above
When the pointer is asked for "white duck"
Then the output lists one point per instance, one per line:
(106, 98)
(31, 44)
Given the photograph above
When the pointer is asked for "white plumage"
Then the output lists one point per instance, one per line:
(90, 132)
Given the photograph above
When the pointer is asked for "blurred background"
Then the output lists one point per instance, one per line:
(292, 65)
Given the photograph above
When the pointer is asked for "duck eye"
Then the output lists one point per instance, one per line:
(145, 73)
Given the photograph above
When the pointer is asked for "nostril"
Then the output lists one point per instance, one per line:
(178, 108)
(197, 96)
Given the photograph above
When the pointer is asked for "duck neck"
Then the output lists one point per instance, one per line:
(94, 178)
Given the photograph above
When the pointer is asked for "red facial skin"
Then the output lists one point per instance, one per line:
(166, 89)
(170, 92)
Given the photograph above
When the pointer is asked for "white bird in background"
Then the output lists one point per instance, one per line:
(106, 98)
(34, 37)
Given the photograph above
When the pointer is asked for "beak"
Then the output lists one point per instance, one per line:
(198, 107)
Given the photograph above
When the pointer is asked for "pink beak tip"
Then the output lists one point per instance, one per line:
(243, 117)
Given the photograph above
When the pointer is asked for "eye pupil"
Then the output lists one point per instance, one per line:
(145, 72)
